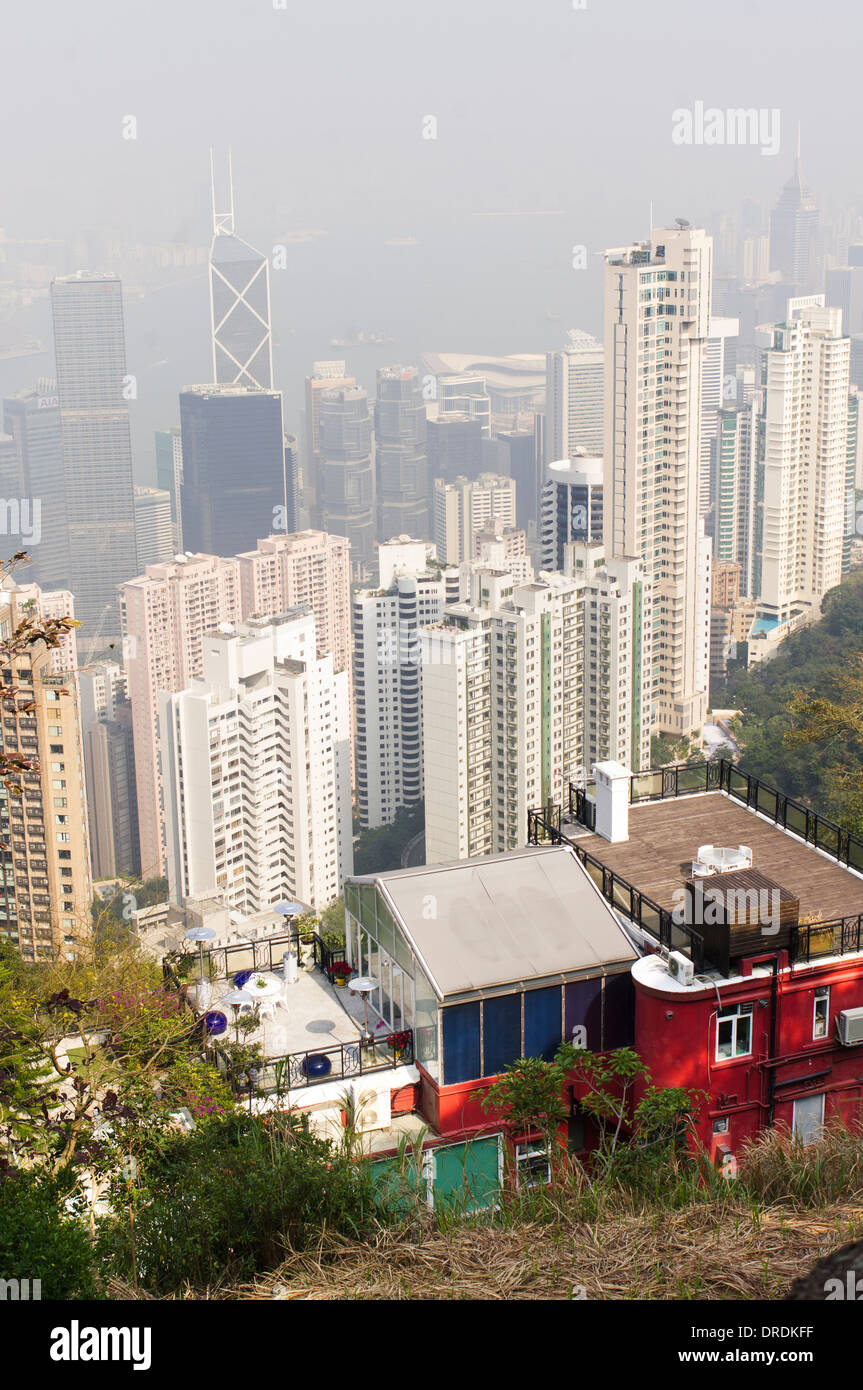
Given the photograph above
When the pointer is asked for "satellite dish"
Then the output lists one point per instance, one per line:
(682, 223)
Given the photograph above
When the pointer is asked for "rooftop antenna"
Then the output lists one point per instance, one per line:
(223, 222)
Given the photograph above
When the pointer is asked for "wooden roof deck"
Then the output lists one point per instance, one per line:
(664, 837)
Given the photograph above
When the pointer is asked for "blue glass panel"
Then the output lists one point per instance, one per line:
(501, 1033)
(542, 1022)
(619, 1028)
(461, 1060)
(584, 1010)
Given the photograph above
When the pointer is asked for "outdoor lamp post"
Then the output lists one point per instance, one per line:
(364, 985)
(286, 910)
(235, 998)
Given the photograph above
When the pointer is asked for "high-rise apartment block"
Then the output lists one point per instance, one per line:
(388, 679)
(94, 390)
(109, 764)
(806, 391)
(45, 885)
(308, 567)
(256, 758)
(154, 530)
(464, 507)
(502, 711)
(401, 454)
(657, 324)
(166, 613)
(736, 514)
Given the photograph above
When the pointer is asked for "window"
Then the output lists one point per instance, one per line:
(734, 1031)
(720, 1126)
(821, 1012)
(532, 1168)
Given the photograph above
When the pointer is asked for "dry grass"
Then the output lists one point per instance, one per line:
(706, 1251)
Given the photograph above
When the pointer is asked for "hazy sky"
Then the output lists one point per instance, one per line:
(540, 107)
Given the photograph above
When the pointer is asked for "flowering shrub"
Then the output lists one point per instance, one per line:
(341, 969)
(140, 1023)
(399, 1041)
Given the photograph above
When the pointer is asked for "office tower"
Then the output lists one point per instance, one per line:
(806, 388)
(346, 472)
(166, 613)
(857, 360)
(454, 447)
(400, 454)
(736, 515)
(45, 887)
(756, 260)
(33, 421)
(794, 234)
(502, 712)
(293, 484)
(387, 678)
(518, 460)
(466, 506)
(169, 475)
(309, 567)
(154, 530)
(657, 322)
(574, 396)
(464, 393)
(844, 290)
(90, 354)
(571, 505)
(617, 623)
(717, 383)
(326, 376)
(109, 761)
(239, 303)
(256, 759)
(233, 467)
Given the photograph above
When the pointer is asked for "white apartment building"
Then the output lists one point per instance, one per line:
(657, 324)
(256, 760)
(154, 529)
(387, 678)
(574, 396)
(502, 711)
(101, 686)
(806, 386)
(617, 605)
(166, 612)
(303, 567)
(718, 388)
(466, 506)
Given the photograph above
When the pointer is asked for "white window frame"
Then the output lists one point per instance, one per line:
(734, 1014)
(527, 1152)
(822, 995)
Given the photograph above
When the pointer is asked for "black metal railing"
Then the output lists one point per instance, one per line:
(279, 1075)
(623, 896)
(720, 774)
(812, 940)
(223, 962)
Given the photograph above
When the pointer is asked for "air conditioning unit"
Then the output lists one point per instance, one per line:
(851, 1027)
(326, 1123)
(373, 1109)
(680, 968)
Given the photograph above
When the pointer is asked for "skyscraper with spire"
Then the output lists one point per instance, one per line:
(239, 302)
(794, 232)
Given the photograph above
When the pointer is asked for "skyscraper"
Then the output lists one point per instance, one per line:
(33, 421)
(169, 475)
(256, 760)
(400, 454)
(794, 233)
(806, 390)
(346, 472)
(239, 303)
(716, 377)
(326, 376)
(307, 567)
(735, 518)
(574, 393)
(454, 447)
(154, 530)
(166, 612)
(387, 678)
(657, 322)
(233, 467)
(571, 505)
(93, 389)
(45, 886)
(464, 507)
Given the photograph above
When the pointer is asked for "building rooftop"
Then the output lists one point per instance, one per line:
(529, 915)
(664, 837)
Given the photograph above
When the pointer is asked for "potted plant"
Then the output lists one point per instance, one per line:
(340, 972)
(398, 1042)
